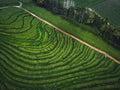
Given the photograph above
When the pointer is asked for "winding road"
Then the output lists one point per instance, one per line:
(70, 35)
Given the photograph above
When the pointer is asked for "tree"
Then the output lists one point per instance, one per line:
(71, 12)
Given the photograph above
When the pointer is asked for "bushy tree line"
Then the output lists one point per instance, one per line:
(85, 16)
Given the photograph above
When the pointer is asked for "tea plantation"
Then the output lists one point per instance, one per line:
(35, 56)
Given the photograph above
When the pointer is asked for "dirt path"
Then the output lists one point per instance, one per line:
(17, 6)
(70, 35)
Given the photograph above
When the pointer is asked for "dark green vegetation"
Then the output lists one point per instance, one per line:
(87, 3)
(81, 31)
(85, 16)
(8, 2)
(106, 8)
(109, 9)
(35, 56)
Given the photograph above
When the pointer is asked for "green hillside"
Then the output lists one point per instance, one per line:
(35, 56)
(81, 31)
(107, 8)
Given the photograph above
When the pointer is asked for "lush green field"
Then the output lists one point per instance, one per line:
(109, 9)
(106, 8)
(80, 31)
(34, 56)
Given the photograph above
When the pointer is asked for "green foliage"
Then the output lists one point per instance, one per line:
(39, 1)
(86, 16)
(35, 56)
(106, 8)
(110, 10)
(81, 31)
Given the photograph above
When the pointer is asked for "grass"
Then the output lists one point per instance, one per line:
(106, 8)
(36, 56)
(81, 31)
(109, 9)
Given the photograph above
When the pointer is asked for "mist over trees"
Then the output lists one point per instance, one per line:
(85, 16)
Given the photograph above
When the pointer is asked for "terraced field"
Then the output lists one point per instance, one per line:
(34, 56)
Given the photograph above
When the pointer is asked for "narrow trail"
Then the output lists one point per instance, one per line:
(5, 7)
(17, 6)
(62, 31)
